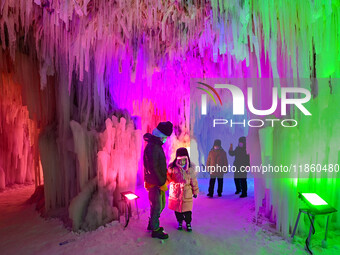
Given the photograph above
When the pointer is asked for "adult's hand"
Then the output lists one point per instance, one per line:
(163, 188)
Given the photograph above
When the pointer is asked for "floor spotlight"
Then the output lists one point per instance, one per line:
(315, 206)
(126, 198)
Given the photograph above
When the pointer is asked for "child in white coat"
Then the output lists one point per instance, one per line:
(183, 187)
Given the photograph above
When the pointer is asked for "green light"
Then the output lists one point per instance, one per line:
(314, 199)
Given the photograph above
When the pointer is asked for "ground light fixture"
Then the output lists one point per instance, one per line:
(126, 198)
(130, 196)
(315, 206)
(313, 199)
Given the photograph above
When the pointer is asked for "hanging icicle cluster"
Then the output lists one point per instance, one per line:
(70, 32)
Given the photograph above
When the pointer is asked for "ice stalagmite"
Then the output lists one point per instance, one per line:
(85, 147)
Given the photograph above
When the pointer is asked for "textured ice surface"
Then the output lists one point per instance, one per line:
(119, 31)
(18, 134)
(314, 141)
(80, 203)
(117, 165)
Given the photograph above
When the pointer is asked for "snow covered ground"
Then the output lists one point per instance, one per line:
(220, 226)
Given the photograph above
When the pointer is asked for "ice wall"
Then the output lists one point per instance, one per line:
(17, 136)
(315, 141)
(117, 165)
(24, 111)
(119, 155)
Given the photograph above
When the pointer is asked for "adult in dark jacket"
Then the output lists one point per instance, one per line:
(216, 162)
(155, 174)
(241, 159)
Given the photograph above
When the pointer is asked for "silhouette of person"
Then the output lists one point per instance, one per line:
(217, 158)
(241, 159)
(155, 174)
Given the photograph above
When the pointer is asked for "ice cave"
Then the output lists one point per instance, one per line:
(90, 90)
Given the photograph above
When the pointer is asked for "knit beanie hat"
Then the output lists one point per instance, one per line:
(163, 129)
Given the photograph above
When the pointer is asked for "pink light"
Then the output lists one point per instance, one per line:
(131, 196)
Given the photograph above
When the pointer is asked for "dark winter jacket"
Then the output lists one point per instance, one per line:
(155, 169)
(217, 158)
(241, 159)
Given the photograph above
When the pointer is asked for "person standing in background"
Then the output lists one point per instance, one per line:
(217, 159)
(155, 175)
(241, 159)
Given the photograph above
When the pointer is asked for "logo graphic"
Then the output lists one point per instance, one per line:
(239, 101)
(204, 97)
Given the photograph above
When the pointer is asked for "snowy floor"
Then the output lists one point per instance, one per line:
(220, 226)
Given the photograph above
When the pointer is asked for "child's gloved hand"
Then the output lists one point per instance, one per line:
(195, 196)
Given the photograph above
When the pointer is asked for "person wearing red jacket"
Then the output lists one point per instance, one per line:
(216, 162)
(183, 187)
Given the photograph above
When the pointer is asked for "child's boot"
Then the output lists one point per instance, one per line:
(180, 227)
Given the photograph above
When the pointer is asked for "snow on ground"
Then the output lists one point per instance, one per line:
(220, 226)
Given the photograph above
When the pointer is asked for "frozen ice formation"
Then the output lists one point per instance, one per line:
(2, 179)
(117, 165)
(18, 136)
(65, 66)
(69, 32)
